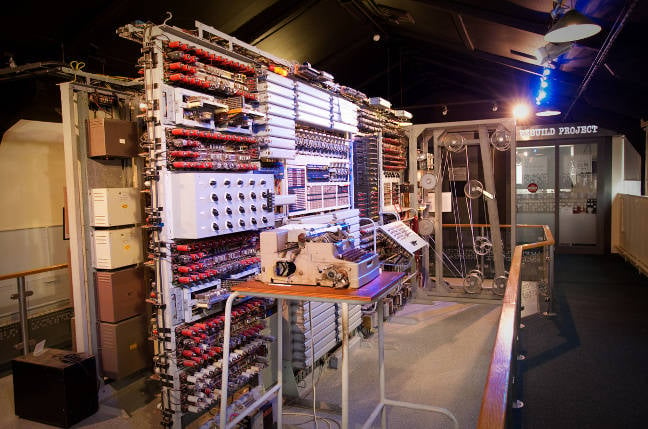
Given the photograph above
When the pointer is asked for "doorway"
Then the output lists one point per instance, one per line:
(559, 184)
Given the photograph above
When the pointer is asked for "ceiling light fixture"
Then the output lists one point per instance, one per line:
(376, 37)
(521, 111)
(444, 110)
(548, 112)
(572, 26)
(494, 106)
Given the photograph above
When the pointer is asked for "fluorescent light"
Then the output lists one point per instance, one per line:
(572, 26)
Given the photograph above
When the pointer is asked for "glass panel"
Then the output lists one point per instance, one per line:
(577, 198)
(535, 189)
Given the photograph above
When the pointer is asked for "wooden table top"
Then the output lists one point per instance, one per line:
(372, 291)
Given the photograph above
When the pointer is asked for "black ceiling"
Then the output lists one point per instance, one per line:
(464, 54)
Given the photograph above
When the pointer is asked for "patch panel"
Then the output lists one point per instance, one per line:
(209, 204)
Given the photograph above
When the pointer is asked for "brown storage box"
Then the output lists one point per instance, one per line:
(112, 138)
(124, 347)
(120, 294)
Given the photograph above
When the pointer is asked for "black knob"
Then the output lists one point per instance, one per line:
(241, 209)
(264, 219)
(215, 226)
(229, 225)
(263, 182)
(254, 221)
(264, 194)
(241, 196)
(226, 182)
(253, 208)
(240, 182)
(253, 195)
(228, 197)
(214, 197)
(215, 212)
(252, 182)
(241, 222)
(228, 210)
(212, 182)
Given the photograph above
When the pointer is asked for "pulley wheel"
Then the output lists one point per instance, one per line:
(472, 283)
(499, 285)
(453, 142)
(428, 181)
(501, 139)
(482, 246)
(473, 189)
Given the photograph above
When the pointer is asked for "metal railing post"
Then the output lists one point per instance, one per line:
(550, 282)
(22, 306)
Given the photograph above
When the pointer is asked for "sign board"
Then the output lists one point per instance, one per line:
(532, 187)
(446, 202)
(559, 131)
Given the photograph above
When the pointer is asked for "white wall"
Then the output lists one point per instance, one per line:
(32, 181)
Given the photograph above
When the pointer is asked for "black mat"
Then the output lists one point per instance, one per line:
(588, 366)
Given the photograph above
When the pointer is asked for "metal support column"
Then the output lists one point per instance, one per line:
(491, 203)
(438, 210)
(345, 365)
(381, 362)
(24, 322)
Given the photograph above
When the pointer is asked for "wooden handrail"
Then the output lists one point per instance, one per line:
(31, 272)
(468, 225)
(495, 399)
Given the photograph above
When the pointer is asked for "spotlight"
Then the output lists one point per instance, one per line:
(376, 37)
(572, 26)
(521, 111)
(494, 106)
(444, 110)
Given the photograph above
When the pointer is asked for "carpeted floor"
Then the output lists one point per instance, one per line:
(588, 366)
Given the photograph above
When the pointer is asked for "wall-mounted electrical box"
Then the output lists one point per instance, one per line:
(120, 294)
(112, 138)
(116, 248)
(115, 206)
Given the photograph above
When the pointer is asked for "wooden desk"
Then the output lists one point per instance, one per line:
(369, 293)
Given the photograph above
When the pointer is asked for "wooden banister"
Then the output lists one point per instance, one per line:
(31, 272)
(496, 396)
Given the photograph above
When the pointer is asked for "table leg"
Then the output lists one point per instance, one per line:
(381, 362)
(280, 362)
(345, 365)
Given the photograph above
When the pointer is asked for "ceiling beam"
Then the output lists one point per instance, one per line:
(272, 19)
(508, 13)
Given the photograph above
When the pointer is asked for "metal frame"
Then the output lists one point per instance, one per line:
(435, 130)
(278, 389)
(74, 109)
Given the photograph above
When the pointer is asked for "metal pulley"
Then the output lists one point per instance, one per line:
(453, 142)
(473, 189)
(501, 139)
(472, 283)
(499, 285)
(426, 227)
(428, 181)
(482, 245)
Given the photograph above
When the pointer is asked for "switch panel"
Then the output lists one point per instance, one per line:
(210, 204)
